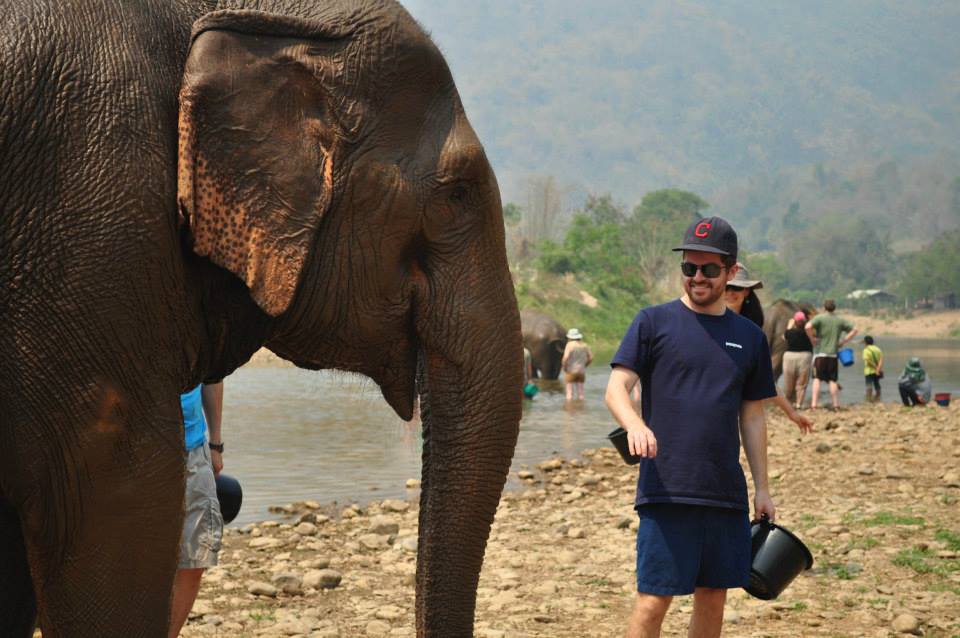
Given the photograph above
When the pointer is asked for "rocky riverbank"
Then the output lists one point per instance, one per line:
(874, 493)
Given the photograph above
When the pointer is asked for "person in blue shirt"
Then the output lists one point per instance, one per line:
(202, 521)
(705, 372)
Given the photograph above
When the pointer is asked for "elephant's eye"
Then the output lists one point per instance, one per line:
(458, 193)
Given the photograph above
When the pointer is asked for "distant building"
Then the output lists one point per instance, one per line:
(937, 302)
(946, 300)
(876, 296)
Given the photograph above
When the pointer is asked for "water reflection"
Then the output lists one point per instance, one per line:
(296, 435)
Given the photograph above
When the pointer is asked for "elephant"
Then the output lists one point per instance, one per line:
(545, 338)
(187, 181)
(776, 316)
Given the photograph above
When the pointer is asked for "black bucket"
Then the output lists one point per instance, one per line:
(230, 495)
(777, 557)
(619, 439)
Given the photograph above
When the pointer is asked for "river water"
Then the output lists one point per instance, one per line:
(294, 434)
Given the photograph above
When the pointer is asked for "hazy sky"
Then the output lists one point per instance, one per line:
(627, 96)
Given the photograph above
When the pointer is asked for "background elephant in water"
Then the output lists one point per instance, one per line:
(776, 316)
(546, 339)
(315, 188)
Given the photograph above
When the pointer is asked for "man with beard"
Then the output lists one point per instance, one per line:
(705, 372)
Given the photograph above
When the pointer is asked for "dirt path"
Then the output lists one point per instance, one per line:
(923, 324)
(873, 492)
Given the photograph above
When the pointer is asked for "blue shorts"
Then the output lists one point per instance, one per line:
(682, 547)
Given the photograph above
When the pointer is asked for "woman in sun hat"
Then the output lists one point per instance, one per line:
(741, 298)
(576, 358)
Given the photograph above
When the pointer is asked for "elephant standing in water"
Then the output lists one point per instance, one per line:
(775, 319)
(315, 188)
(545, 338)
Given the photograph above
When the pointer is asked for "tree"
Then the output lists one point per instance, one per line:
(768, 268)
(542, 218)
(512, 212)
(837, 249)
(658, 224)
(603, 210)
(932, 271)
(792, 220)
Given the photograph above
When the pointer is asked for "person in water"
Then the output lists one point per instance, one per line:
(872, 369)
(576, 357)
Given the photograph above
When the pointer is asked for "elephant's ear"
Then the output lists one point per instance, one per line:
(259, 131)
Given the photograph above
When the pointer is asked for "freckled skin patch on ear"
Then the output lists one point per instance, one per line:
(109, 420)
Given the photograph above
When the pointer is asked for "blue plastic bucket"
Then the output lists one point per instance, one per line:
(942, 399)
(846, 357)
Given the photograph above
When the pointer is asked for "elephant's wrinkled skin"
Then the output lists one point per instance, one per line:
(776, 316)
(332, 202)
(546, 339)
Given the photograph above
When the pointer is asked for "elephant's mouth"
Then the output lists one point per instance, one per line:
(395, 375)
(398, 386)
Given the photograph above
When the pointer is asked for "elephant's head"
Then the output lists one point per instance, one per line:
(546, 339)
(327, 162)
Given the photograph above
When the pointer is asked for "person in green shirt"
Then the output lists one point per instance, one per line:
(872, 369)
(828, 333)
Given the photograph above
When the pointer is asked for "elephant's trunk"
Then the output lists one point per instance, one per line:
(470, 384)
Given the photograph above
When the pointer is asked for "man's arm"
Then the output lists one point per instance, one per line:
(753, 432)
(640, 438)
(808, 328)
(212, 398)
(850, 335)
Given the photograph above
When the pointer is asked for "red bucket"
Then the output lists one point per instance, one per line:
(942, 398)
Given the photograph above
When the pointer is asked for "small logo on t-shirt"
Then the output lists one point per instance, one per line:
(733, 345)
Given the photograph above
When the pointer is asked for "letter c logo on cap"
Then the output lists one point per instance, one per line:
(702, 229)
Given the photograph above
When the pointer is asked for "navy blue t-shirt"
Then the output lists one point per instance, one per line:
(695, 370)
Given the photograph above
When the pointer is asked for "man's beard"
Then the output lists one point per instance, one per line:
(704, 296)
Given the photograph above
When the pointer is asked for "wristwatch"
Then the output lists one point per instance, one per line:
(216, 446)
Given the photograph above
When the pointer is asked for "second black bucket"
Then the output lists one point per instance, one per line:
(230, 495)
(619, 439)
(778, 556)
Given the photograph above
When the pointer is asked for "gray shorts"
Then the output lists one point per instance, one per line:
(202, 522)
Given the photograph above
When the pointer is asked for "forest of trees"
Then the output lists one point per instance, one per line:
(622, 257)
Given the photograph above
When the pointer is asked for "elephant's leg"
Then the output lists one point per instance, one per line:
(18, 608)
(103, 524)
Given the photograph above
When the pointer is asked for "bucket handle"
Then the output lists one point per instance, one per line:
(763, 520)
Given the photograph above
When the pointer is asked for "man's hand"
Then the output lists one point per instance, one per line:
(763, 504)
(640, 438)
(216, 459)
(642, 441)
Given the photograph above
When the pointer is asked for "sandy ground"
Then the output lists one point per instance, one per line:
(923, 324)
(873, 492)
(263, 358)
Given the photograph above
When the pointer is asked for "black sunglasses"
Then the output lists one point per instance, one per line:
(710, 271)
(735, 288)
